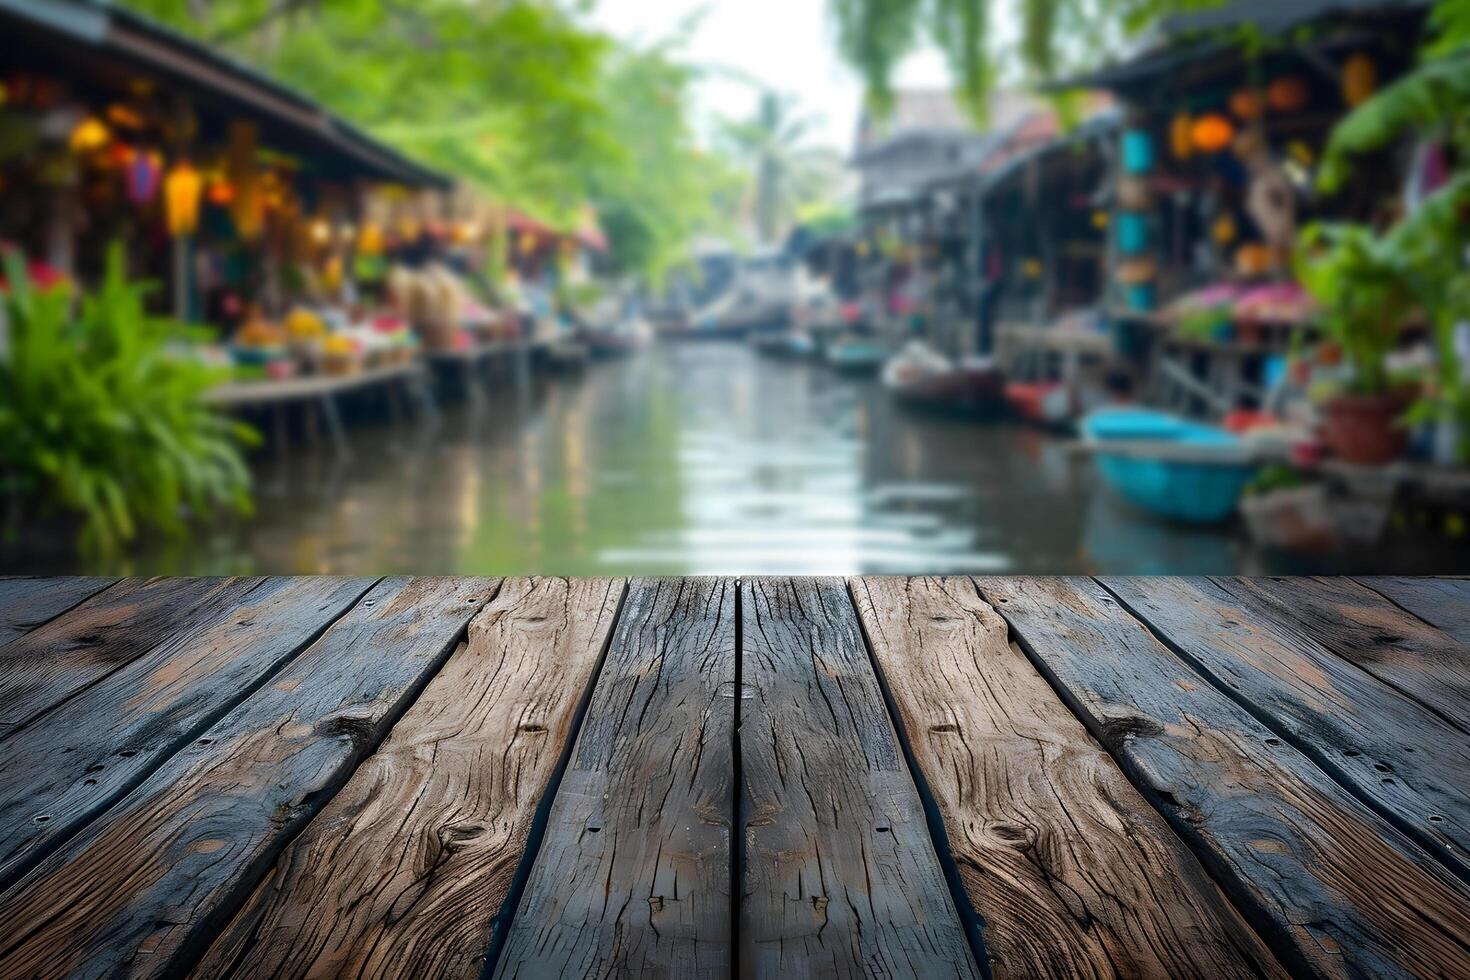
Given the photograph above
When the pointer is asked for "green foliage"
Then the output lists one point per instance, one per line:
(1433, 100)
(1275, 477)
(655, 190)
(1429, 245)
(1360, 280)
(513, 96)
(873, 36)
(98, 419)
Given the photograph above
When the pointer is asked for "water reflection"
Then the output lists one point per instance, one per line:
(694, 459)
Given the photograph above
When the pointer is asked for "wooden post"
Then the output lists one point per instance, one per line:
(181, 277)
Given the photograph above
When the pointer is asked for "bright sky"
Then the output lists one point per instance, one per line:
(787, 45)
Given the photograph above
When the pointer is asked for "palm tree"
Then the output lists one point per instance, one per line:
(772, 143)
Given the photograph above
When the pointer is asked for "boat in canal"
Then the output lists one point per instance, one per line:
(855, 354)
(922, 377)
(1170, 466)
(790, 344)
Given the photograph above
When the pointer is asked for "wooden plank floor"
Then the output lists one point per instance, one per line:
(956, 777)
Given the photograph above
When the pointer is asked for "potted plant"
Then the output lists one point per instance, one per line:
(1358, 279)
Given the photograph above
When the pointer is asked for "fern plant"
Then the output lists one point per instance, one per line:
(100, 420)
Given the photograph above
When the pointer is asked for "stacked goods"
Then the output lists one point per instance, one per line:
(305, 333)
(341, 355)
(262, 344)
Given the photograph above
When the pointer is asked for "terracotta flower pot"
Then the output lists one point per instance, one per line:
(1364, 428)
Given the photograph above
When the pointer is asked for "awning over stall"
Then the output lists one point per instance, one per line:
(105, 48)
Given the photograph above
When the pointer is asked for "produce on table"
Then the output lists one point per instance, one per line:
(341, 355)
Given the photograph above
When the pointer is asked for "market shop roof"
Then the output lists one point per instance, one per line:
(1183, 38)
(101, 45)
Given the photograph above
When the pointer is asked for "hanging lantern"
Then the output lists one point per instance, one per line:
(119, 154)
(1246, 105)
(321, 231)
(181, 190)
(370, 241)
(221, 192)
(1138, 151)
(1180, 140)
(247, 205)
(1212, 133)
(1359, 79)
(527, 244)
(141, 177)
(124, 116)
(1224, 230)
(1100, 220)
(89, 135)
(1287, 94)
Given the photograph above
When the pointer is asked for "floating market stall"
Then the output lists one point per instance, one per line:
(1043, 255)
(1308, 340)
(1215, 178)
(247, 201)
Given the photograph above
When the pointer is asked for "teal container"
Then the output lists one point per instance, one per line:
(1133, 233)
(1140, 297)
(1139, 155)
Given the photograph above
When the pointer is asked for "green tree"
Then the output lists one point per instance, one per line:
(873, 36)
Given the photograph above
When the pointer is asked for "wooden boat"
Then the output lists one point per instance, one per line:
(791, 344)
(857, 355)
(1170, 466)
(922, 377)
(1042, 402)
(603, 342)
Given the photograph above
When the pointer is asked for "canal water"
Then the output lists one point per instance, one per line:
(695, 458)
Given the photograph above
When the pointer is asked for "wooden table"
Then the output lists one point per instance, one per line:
(706, 777)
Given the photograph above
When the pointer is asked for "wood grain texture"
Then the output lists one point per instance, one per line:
(633, 874)
(1073, 873)
(1384, 744)
(1441, 602)
(841, 878)
(1365, 629)
(80, 758)
(1335, 889)
(52, 662)
(402, 873)
(26, 603)
(146, 885)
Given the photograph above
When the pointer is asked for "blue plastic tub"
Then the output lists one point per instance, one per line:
(1204, 492)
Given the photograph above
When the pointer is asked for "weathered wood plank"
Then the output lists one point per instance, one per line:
(52, 662)
(143, 888)
(1385, 745)
(402, 873)
(1442, 602)
(1073, 873)
(1367, 630)
(841, 878)
(81, 757)
(1333, 887)
(633, 874)
(26, 603)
